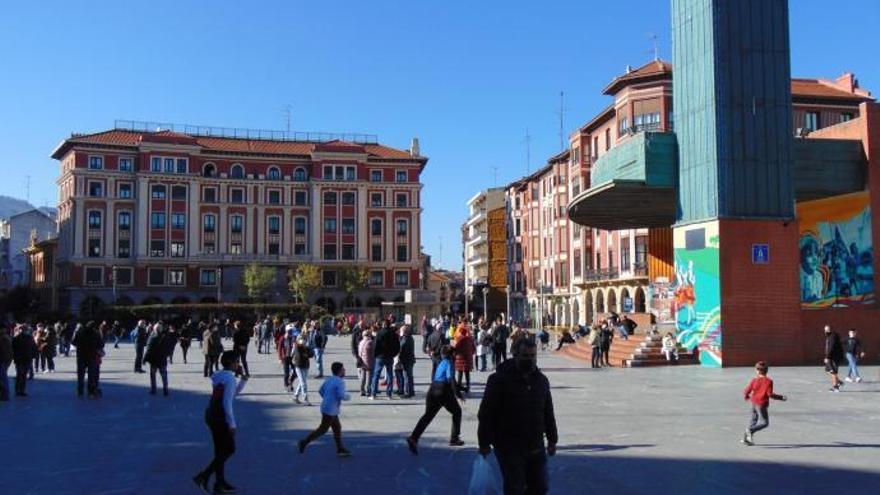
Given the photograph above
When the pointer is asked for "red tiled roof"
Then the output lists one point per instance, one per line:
(653, 68)
(118, 137)
(816, 88)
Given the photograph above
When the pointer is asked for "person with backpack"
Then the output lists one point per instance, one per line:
(301, 355)
(319, 342)
(220, 418)
(833, 354)
(387, 347)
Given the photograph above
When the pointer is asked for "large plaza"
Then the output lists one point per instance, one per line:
(673, 429)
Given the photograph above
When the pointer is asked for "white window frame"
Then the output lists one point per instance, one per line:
(130, 163)
(171, 283)
(237, 166)
(276, 170)
(100, 159)
(335, 278)
(305, 174)
(376, 171)
(397, 176)
(202, 279)
(396, 283)
(89, 188)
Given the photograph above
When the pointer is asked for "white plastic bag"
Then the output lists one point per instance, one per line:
(484, 478)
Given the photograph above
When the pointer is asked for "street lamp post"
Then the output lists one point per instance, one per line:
(485, 306)
(219, 285)
(467, 295)
(113, 276)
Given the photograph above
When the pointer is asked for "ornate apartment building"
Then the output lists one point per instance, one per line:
(168, 216)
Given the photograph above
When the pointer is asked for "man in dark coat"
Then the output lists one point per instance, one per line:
(407, 359)
(159, 345)
(433, 347)
(387, 347)
(89, 347)
(23, 351)
(515, 416)
(500, 334)
(5, 361)
(833, 354)
(140, 343)
(241, 339)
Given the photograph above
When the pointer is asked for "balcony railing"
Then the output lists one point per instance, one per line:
(597, 275)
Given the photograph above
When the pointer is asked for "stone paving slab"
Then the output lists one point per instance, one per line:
(673, 429)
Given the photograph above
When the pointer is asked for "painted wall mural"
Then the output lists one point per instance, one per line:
(697, 290)
(836, 252)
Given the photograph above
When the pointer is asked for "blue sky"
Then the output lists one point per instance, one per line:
(467, 78)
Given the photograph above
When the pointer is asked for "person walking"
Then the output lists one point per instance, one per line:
(442, 394)
(156, 356)
(185, 339)
(40, 336)
(332, 393)
(220, 418)
(23, 351)
(357, 334)
(434, 345)
(64, 332)
(301, 355)
(833, 355)
(595, 342)
(89, 349)
(5, 362)
(241, 339)
(606, 338)
(319, 342)
(286, 348)
(367, 357)
(515, 416)
(407, 358)
(118, 332)
(387, 347)
(464, 352)
(140, 343)
(759, 391)
(213, 349)
(853, 348)
(500, 335)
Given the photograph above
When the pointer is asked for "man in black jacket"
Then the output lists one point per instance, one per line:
(515, 416)
(387, 347)
(500, 335)
(23, 351)
(89, 344)
(833, 354)
(5, 361)
(140, 343)
(433, 347)
(357, 334)
(241, 339)
(407, 359)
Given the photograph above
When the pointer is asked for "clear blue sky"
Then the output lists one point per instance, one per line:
(467, 78)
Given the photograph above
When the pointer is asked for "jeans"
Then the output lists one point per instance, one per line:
(381, 363)
(596, 358)
(523, 472)
(302, 387)
(623, 333)
(4, 381)
(440, 395)
(760, 418)
(319, 358)
(139, 357)
(327, 422)
(163, 372)
(853, 366)
(366, 375)
(409, 385)
(482, 366)
(21, 371)
(210, 364)
(83, 366)
(287, 364)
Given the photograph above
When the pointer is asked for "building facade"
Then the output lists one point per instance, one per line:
(16, 234)
(170, 217)
(484, 239)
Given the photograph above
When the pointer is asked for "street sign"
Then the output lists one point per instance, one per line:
(627, 305)
(760, 254)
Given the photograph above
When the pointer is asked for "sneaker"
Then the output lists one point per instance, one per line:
(848, 380)
(222, 490)
(343, 453)
(227, 486)
(201, 481)
(456, 442)
(308, 403)
(858, 379)
(747, 439)
(835, 389)
(301, 445)
(296, 399)
(372, 397)
(413, 445)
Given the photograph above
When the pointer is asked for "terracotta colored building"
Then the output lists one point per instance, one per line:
(175, 215)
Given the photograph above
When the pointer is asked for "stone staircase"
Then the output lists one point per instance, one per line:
(637, 351)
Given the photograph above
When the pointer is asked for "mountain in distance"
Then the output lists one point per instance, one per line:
(11, 206)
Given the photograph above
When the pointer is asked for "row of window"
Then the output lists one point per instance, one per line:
(172, 165)
(123, 276)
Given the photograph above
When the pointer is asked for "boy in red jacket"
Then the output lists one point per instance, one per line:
(759, 391)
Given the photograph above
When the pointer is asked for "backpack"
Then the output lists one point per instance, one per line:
(487, 340)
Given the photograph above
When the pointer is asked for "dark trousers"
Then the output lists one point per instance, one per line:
(163, 372)
(499, 355)
(242, 354)
(409, 384)
(327, 422)
(224, 447)
(760, 418)
(138, 357)
(4, 381)
(83, 366)
(210, 364)
(288, 367)
(21, 371)
(184, 349)
(440, 395)
(596, 360)
(524, 473)
(435, 361)
(467, 380)
(605, 350)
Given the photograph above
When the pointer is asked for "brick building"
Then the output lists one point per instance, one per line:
(175, 215)
(484, 238)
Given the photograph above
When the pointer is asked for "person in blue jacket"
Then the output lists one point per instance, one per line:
(442, 394)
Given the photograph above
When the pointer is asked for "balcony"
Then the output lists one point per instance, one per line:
(828, 167)
(634, 185)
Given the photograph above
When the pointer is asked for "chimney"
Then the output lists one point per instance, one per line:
(847, 82)
(414, 148)
(629, 69)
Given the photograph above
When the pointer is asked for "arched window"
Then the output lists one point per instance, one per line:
(299, 174)
(273, 173)
(237, 171)
(209, 170)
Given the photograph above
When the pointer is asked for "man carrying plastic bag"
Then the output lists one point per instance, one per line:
(484, 479)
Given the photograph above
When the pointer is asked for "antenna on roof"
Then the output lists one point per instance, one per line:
(495, 176)
(656, 47)
(528, 142)
(440, 250)
(561, 113)
(286, 111)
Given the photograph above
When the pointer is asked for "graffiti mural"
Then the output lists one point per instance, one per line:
(697, 291)
(836, 252)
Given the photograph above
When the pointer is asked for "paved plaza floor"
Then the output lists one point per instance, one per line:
(674, 429)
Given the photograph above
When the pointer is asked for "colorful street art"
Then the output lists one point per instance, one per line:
(697, 291)
(836, 252)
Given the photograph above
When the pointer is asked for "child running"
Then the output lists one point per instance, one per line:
(332, 393)
(221, 421)
(759, 391)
